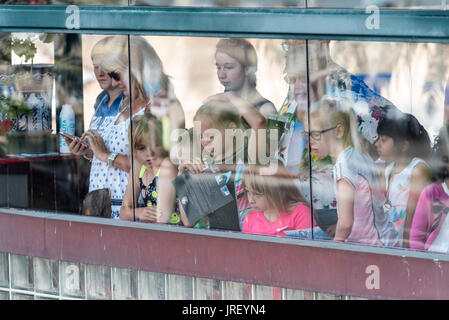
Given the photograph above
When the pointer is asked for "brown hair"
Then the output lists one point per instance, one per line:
(221, 114)
(280, 189)
(145, 129)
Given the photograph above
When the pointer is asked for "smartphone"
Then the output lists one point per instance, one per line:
(70, 137)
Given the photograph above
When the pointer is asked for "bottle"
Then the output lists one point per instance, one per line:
(66, 125)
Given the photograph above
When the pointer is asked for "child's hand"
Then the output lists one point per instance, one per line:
(195, 166)
(331, 230)
(149, 214)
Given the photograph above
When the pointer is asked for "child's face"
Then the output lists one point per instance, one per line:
(213, 140)
(257, 200)
(321, 146)
(207, 137)
(386, 148)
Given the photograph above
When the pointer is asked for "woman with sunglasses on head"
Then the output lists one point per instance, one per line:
(108, 101)
(111, 162)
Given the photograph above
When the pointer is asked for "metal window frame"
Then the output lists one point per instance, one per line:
(337, 24)
(307, 265)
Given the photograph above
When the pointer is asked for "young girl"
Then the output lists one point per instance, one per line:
(277, 205)
(430, 228)
(218, 154)
(361, 219)
(150, 163)
(402, 144)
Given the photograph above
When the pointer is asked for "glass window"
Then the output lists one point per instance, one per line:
(377, 130)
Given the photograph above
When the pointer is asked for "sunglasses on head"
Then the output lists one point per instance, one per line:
(114, 75)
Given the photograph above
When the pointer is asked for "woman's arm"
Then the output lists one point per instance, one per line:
(166, 193)
(267, 108)
(254, 118)
(419, 180)
(345, 199)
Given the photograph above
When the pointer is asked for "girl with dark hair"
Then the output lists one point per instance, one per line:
(404, 145)
(430, 228)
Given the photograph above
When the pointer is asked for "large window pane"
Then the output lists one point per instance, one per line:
(376, 110)
(327, 140)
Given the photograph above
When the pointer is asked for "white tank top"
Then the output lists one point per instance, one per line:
(398, 191)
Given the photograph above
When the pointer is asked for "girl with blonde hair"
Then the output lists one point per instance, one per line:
(357, 182)
(151, 164)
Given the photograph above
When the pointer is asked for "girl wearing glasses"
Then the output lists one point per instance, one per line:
(430, 228)
(276, 203)
(361, 219)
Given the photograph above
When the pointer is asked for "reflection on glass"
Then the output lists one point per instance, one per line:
(380, 151)
(346, 144)
(222, 3)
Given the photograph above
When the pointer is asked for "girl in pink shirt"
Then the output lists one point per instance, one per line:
(276, 203)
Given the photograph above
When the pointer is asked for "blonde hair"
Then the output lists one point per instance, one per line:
(242, 51)
(147, 75)
(105, 46)
(221, 114)
(145, 130)
(280, 189)
(338, 112)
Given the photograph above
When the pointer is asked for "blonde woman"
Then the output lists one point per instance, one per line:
(111, 163)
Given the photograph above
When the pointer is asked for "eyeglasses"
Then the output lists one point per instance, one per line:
(114, 75)
(316, 135)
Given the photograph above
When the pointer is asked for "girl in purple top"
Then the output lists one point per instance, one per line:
(430, 228)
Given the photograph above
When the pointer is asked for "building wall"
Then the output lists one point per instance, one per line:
(25, 277)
